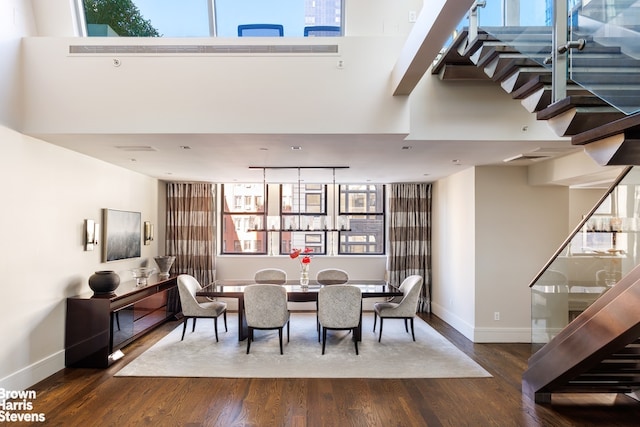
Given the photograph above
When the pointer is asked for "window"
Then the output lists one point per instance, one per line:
(203, 18)
(303, 207)
(303, 218)
(363, 205)
(243, 217)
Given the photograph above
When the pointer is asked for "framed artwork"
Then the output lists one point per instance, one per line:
(122, 234)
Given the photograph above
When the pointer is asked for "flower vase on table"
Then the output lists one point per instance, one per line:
(304, 256)
(304, 276)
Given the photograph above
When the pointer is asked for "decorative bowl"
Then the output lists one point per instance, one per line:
(142, 274)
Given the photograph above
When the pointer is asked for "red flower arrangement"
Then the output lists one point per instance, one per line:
(304, 254)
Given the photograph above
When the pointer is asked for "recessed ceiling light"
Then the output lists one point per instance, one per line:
(185, 147)
(296, 148)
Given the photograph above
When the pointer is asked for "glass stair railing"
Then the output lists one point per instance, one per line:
(601, 250)
(600, 50)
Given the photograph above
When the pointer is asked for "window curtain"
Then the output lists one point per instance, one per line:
(191, 229)
(410, 237)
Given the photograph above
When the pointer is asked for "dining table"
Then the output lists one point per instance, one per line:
(295, 293)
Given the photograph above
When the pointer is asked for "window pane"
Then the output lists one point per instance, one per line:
(366, 235)
(147, 18)
(293, 15)
(242, 216)
(306, 198)
(238, 235)
(361, 198)
(195, 18)
(300, 239)
(243, 198)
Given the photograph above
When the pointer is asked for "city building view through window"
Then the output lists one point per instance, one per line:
(302, 216)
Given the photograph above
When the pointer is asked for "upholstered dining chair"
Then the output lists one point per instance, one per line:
(265, 307)
(339, 308)
(193, 309)
(330, 276)
(274, 276)
(405, 309)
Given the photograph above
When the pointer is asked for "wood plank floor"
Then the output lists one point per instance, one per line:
(88, 397)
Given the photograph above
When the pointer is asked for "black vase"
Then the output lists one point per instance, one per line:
(103, 283)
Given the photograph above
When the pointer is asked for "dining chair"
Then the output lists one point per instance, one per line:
(274, 276)
(193, 309)
(332, 276)
(339, 308)
(329, 276)
(265, 307)
(322, 31)
(260, 30)
(405, 309)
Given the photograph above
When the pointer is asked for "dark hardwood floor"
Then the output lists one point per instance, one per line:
(88, 397)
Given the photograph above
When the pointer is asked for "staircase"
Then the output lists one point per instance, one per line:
(599, 352)
(583, 115)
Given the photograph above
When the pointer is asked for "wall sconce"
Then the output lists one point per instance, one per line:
(148, 233)
(91, 233)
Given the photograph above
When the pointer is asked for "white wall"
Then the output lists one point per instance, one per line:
(518, 228)
(48, 193)
(492, 234)
(453, 251)
(203, 93)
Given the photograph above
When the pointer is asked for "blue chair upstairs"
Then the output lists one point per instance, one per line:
(322, 31)
(260, 30)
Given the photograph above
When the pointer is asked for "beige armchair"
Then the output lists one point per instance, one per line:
(265, 307)
(339, 308)
(405, 309)
(193, 309)
(274, 276)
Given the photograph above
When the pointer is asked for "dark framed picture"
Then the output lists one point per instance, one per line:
(122, 234)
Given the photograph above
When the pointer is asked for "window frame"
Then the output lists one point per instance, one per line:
(214, 13)
(380, 212)
(243, 216)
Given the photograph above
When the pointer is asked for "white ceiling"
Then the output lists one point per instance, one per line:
(369, 158)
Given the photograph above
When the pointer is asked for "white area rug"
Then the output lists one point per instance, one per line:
(397, 356)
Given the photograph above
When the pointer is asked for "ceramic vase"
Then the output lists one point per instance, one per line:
(104, 283)
(164, 265)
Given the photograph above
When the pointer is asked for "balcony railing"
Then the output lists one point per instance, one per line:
(604, 248)
(596, 45)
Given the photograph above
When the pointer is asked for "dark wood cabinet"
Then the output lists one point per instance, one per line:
(97, 328)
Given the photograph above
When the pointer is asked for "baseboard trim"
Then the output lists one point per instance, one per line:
(479, 334)
(34, 373)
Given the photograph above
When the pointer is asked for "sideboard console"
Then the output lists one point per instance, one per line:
(97, 328)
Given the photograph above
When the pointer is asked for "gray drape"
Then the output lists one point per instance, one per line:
(410, 237)
(191, 229)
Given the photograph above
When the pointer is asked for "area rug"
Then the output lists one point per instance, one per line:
(397, 356)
